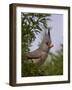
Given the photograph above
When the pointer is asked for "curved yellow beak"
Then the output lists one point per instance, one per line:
(51, 45)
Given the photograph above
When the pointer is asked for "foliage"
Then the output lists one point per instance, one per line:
(30, 24)
(55, 67)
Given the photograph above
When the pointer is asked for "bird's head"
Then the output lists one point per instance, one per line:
(50, 45)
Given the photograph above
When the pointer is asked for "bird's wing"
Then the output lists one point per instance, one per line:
(34, 54)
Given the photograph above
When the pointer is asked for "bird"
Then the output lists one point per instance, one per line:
(39, 55)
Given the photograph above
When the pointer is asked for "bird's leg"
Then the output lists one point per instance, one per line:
(31, 60)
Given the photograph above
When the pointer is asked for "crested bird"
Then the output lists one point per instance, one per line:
(39, 55)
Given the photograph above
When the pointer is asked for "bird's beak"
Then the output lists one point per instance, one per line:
(50, 46)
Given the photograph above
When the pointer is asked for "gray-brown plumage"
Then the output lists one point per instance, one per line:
(39, 55)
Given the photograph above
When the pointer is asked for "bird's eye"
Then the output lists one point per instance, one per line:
(47, 43)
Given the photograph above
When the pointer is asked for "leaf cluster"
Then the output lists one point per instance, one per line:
(30, 24)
